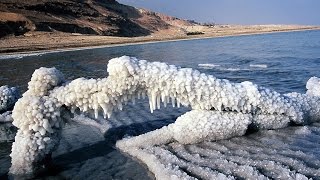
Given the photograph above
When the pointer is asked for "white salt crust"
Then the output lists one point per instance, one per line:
(221, 109)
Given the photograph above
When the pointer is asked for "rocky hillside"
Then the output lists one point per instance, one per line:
(96, 17)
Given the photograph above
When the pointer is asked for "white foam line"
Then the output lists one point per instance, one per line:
(208, 65)
(259, 65)
(20, 56)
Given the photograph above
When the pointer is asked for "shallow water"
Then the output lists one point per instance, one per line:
(281, 61)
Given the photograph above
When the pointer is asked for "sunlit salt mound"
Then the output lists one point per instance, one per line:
(8, 96)
(37, 118)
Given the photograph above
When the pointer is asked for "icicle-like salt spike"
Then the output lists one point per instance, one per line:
(143, 95)
(96, 113)
(173, 101)
(158, 101)
(133, 99)
(154, 100)
(73, 109)
(151, 105)
(178, 103)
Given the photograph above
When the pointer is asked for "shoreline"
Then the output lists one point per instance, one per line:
(124, 41)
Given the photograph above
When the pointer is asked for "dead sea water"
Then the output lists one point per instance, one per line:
(281, 61)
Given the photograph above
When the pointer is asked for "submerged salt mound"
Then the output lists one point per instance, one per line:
(269, 154)
(313, 86)
(8, 96)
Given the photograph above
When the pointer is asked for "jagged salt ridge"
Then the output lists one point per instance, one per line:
(222, 109)
(130, 78)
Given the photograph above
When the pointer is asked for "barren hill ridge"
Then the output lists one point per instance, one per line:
(96, 17)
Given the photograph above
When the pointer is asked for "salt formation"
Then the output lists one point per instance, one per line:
(221, 109)
(130, 78)
(38, 118)
(313, 86)
(8, 96)
(270, 154)
(200, 124)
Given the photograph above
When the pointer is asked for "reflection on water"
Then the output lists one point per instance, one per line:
(5, 149)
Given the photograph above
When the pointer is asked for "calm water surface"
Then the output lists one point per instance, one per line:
(281, 61)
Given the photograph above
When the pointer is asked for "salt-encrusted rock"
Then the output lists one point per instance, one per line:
(37, 117)
(8, 96)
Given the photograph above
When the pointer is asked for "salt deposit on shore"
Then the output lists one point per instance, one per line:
(221, 110)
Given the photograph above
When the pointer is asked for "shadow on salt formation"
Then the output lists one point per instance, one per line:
(68, 161)
(118, 133)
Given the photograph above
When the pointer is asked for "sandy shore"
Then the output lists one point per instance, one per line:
(38, 41)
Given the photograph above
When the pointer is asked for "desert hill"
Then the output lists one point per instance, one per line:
(96, 17)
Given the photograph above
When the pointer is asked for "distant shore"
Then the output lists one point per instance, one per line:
(60, 41)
